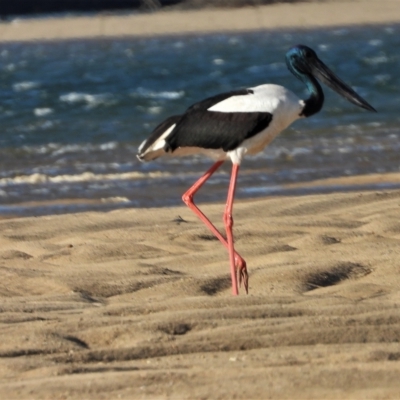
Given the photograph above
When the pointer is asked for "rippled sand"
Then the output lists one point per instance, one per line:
(137, 303)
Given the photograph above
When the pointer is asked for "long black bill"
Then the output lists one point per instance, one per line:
(325, 75)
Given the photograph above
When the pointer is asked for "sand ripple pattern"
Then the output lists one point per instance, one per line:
(136, 303)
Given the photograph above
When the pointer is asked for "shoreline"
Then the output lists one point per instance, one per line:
(374, 182)
(310, 15)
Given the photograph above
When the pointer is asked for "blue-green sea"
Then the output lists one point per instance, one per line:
(72, 114)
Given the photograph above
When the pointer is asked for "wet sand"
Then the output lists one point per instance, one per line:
(136, 303)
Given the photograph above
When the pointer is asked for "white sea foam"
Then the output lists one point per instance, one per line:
(38, 178)
(108, 146)
(323, 47)
(165, 95)
(26, 85)
(56, 149)
(218, 61)
(382, 59)
(10, 67)
(179, 45)
(155, 110)
(116, 199)
(91, 100)
(300, 151)
(390, 30)
(42, 112)
(375, 42)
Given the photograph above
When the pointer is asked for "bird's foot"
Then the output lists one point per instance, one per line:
(241, 273)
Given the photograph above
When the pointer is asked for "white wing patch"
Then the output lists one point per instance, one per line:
(140, 148)
(160, 142)
(265, 98)
(156, 149)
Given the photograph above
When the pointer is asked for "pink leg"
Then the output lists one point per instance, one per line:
(228, 219)
(187, 198)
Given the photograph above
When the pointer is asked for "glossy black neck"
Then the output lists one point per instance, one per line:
(316, 100)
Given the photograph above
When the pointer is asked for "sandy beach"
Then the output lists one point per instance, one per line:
(298, 15)
(137, 304)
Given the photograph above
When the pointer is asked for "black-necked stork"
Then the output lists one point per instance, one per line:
(230, 125)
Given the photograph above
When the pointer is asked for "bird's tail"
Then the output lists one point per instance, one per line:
(150, 153)
(153, 146)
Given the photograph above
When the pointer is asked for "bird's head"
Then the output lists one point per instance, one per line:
(304, 63)
(300, 59)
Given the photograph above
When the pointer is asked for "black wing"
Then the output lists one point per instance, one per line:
(216, 130)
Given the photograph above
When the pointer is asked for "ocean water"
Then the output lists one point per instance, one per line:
(73, 113)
